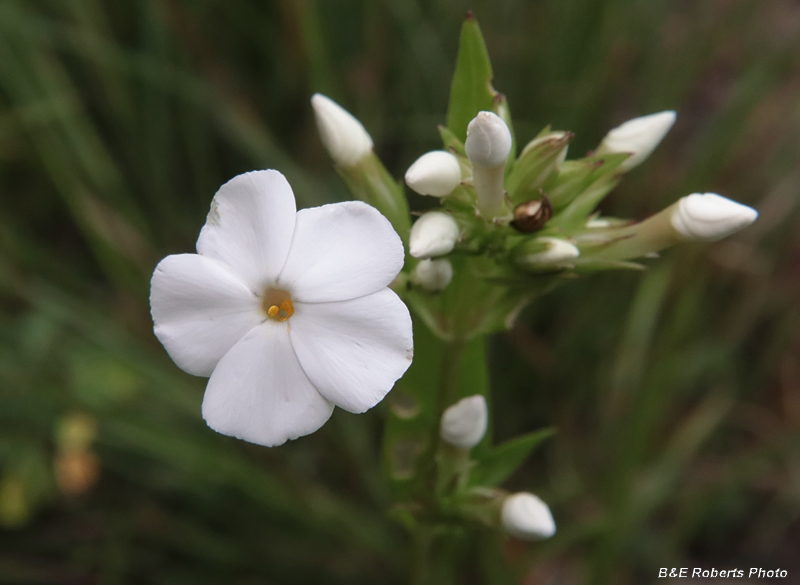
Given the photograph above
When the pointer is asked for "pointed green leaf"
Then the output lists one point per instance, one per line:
(500, 463)
(471, 91)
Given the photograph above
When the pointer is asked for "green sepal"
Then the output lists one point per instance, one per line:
(563, 186)
(601, 181)
(502, 110)
(576, 176)
(370, 182)
(576, 214)
(536, 163)
(451, 141)
(498, 464)
(589, 264)
(471, 90)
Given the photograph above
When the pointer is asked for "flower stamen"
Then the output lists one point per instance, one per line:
(277, 304)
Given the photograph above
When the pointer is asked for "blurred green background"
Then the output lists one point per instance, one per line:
(676, 393)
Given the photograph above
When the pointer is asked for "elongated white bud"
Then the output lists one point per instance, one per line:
(710, 217)
(526, 516)
(706, 217)
(433, 275)
(488, 145)
(342, 134)
(639, 136)
(433, 234)
(488, 140)
(464, 423)
(546, 252)
(436, 173)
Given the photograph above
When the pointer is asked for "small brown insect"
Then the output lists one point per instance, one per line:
(532, 215)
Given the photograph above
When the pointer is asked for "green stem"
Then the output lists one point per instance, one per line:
(423, 549)
(448, 392)
(437, 556)
(448, 382)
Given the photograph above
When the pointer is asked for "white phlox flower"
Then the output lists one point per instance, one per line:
(287, 311)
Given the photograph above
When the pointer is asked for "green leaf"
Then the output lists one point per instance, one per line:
(471, 91)
(497, 465)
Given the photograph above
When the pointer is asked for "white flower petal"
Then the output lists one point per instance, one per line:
(200, 310)
(250, 226)
(258, 391)
(339, 252)
(354, 351)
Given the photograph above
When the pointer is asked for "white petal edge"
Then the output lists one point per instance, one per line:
(339, 252)
(250, 226)
(200, 310)
(259, 393)
(354, 351)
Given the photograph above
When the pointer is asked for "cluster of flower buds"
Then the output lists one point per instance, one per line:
(531, 215)
(553, 199)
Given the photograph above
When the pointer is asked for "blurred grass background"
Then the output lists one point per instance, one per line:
(676, 393)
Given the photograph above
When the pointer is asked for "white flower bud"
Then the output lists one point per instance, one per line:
(464, 423)
(710, 217)
(488, 140)
(488, 145)
(433, 234)
(526, 516)
(556, 253)
(433, 275)
(342, 134)
(436, 173)
(639, 136)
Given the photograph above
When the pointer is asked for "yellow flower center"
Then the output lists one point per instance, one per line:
(277, 304)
